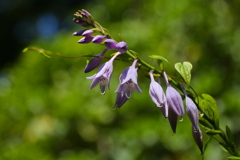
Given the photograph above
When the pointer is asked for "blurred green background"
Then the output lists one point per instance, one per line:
(47, 111)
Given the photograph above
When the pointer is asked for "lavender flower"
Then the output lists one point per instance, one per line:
(175, 105)
(122, 47)
(110, 44)
(94, 62)
(174, 99)
(102, 77)
(128, 81)
(157, 95)
(192, 112)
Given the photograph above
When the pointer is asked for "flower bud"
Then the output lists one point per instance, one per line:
(122, 47)
(98, 39)
(79, 33)
(87, 39)
(88, 32)
(94, 62)
(110, 44)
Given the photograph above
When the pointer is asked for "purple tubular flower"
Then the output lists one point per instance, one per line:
(86, 39)
(192, 111)
(94, 62)
(79, 33)
(197, 135)
(174, 99)
(110, 44)
(157, 95)
(128, 81)
(122, 47)
(103, 75)
(98, 39)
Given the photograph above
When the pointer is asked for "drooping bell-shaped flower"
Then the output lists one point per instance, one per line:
(157, 95)
(193, 115)
(175, 104)
(192, 111)
(110, 44)
(128, 81)
(103, 75)
(174, 99)
(94, 62)
(98, 39)
(122, 47)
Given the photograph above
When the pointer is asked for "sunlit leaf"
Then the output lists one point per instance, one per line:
(184, 70)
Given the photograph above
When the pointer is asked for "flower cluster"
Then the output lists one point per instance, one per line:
(169, 102)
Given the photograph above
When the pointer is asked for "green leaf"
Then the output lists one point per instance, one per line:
(229, 135)
(158, 57)
(213, 132)
(206, 144)
(223, 147)
(184, 70)
(208, 103)
(234, 158)
(205, 123)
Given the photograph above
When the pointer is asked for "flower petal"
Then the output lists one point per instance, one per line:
(110, 44)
